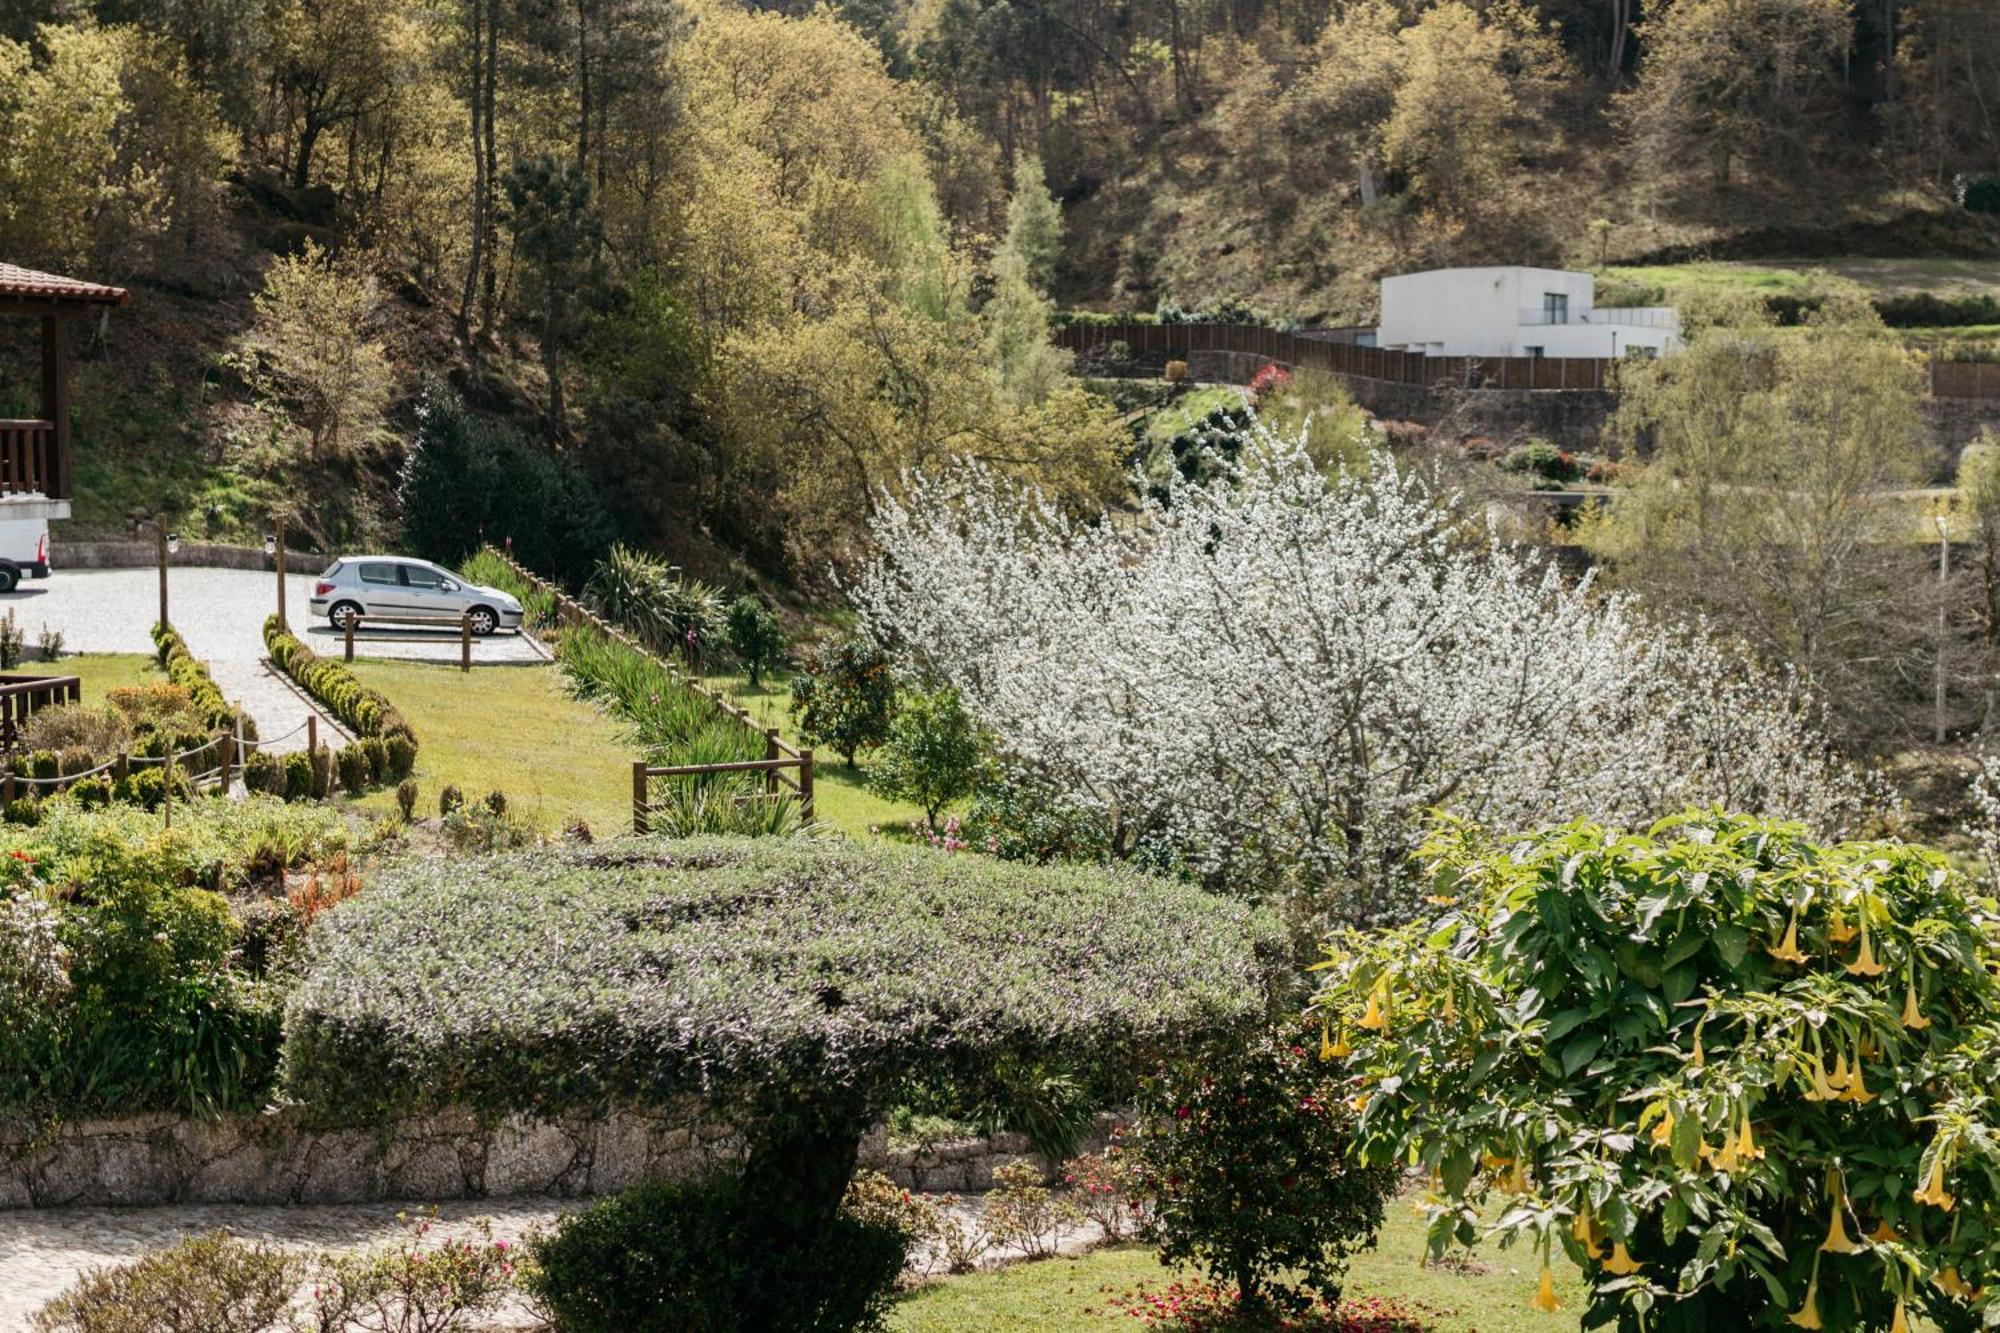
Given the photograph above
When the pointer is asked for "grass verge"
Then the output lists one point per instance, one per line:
(1486, 1291)
(509, 729)
(100, 672)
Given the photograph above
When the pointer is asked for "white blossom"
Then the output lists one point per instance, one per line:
(1286, 677)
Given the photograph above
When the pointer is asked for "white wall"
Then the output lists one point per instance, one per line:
(1497, 312)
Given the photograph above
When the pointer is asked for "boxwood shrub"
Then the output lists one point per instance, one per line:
(186, 670)
(796, 984)
(366, 712)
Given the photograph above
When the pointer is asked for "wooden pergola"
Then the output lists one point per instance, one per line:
(34, 454)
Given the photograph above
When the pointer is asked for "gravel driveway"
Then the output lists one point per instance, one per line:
(220, 612)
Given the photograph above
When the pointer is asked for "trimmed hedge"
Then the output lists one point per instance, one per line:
(186, 670)
(561, 980)
(366, 712)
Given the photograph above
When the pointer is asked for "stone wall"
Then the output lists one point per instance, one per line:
(146, 554)
(279, 1158)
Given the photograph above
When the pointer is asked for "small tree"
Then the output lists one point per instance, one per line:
(314, 318)
(845, 696)
(1739, 1077)
(1240, 1153)
(557, 230)
(931, 754)
(755, 636)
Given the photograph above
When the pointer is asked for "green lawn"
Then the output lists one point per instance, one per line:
(1881, 277)
(1484, 1292)
(511, 729)
(99, 672)
(1189, 409)
(841, 794)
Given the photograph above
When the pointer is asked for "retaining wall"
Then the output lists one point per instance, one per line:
(278, 1157)
(146, 554)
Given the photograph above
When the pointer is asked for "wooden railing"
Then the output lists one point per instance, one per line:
(1155, 342)
(21, 697)
(464, 623)
(782, 764)
(28, 459)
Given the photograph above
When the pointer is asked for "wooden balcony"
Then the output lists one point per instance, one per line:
(30, 463)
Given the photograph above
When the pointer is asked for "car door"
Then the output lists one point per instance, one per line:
(430, 593)
(380, 584)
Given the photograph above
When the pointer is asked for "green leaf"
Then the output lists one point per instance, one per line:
(1731, 944)
(1565, 1022)
(1581, 1051)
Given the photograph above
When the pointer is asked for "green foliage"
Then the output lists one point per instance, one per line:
(484, 828)
(311, 351)
(376, 753)
(450, 799)
(668, 718)
(684, 967)
(686, 1257)
(1020, 820)
(298, 773)
(412, 1287)
(406, 799)
(467, 481)
(1706, 1061)
(932, 754)
(184, 669)
(264, 773)
(368, 713)
(645, 596)
(755, 636)
(210, 1284)
(355, 777)
(401, 753)
(844, 696)
(1979, 194)
(12, 641)
(1243, 1154)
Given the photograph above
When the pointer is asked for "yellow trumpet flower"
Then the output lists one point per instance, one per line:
(1746, 1142)
(1883, 1232)
(1359, 1101)
(1865, 965)
(1545, 1293)
(1450, 1006)
(1341, 1048)
(1837, 930)
(1376, 1019)
(1901, 1323)
(1698, 1059)
(1952, 1284)
(1788, 948)
(1621, 1264)
(1585, 1231)
(1517, 1180)
(1913, 1017)
(1808, 1314)
(1837, 1240)
(1857, 1090)
(1663, 1130)
(1840, 1077)
(1933, 1190)
(1821, 1090)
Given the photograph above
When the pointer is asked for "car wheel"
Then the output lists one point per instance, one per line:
(10, 575)
(341, 613)
(483, 620)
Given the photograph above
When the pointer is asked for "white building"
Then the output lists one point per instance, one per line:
(1516, 312)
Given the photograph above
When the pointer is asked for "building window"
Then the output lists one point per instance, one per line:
(1555, 308)
(1535, 352)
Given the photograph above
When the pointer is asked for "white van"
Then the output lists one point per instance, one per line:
(24, 550)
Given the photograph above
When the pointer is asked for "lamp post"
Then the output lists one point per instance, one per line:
(1943, 520)
(274, 546)
(165, 544)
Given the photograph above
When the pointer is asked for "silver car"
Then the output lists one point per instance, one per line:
(397, 586)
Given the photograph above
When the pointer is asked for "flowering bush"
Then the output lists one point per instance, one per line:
(1281, 676)
(1197, 1305)
(1242, 1154)
(844, 696)
(1024, 1213)
(1740, 1077)
(1105, 1187)
(412, 1286)
(210, 1284)
(1270, 378)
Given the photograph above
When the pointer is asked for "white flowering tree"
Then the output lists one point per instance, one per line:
(1283, 676)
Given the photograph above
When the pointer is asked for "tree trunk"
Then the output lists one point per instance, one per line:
(472, 263)
(797, 1175)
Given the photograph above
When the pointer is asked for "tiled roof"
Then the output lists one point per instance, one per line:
(17, 281)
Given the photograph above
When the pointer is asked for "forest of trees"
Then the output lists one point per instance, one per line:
(745, 265)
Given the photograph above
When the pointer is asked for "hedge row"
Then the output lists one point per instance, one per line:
(554, 980)
(365, 712)
(189, 672)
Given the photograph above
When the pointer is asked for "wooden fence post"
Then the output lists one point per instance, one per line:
(806, 785)
(465, 641)
(312, 737)
(123, 767)
(7, 795)
(770, 753)
(350, 635)
(638, 796)
(228, 751)
(167, 787)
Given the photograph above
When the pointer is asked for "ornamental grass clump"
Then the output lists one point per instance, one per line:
(798, 986)
(1742, 1078)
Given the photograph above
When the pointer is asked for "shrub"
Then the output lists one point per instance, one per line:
(795, 985)
(91, 792)
(377, 754)
(406, 798)
(1241, 1151)
(931, 754)
(148, 788)
(12, 642)
(298, 771)
(34, 992)
(320, 759)
(184, 669)
(480, 828)
(844, 696)
(1024, 1213)
(495, 803)
(682, 1257)
(1686, 1057)
(353, 764)
(44, 764)
(450, 799)
(1176, 372)
(1978, 193)
(22, 810)
(646, 596)
(50, 647)
(414, 1287)
(402, 757)
(1106, 1189)
(755, 636)
(367, 713)
(210, 1284)
(1023, 820)
(102, 730)
(264, 773)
